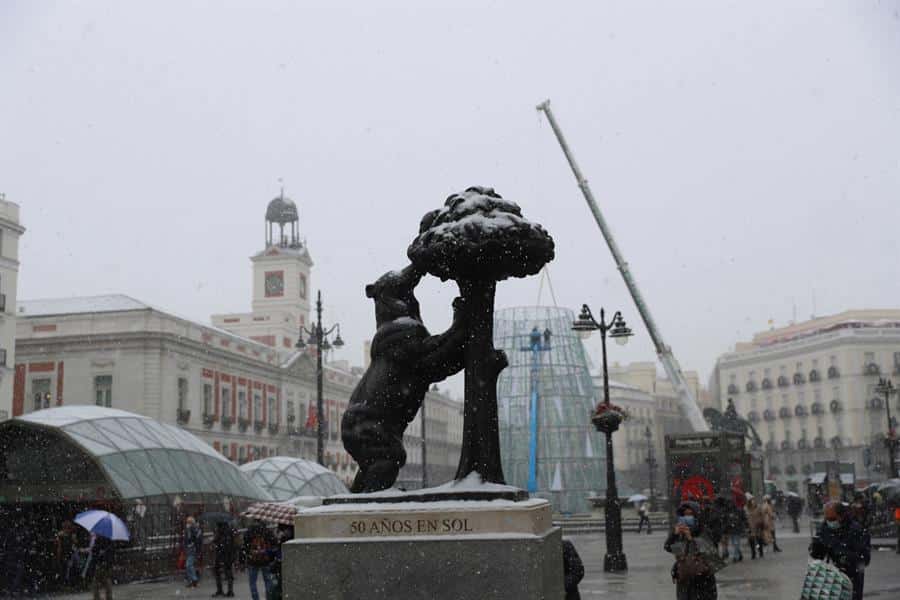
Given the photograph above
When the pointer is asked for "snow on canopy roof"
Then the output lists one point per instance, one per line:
(285, 478)
(143, 457)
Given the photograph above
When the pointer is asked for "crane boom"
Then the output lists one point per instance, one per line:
(686, 398)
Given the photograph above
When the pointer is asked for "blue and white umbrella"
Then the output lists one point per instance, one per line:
(103, 523)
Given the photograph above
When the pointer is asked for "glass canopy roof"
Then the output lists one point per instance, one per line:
(285, 478)
(143, 457)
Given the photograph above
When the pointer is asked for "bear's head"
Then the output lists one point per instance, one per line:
(394, 295)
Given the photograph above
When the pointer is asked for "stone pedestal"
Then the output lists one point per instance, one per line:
(443, 550)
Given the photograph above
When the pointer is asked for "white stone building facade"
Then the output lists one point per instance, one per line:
(10, 232)
(241, 386)
(810, 389)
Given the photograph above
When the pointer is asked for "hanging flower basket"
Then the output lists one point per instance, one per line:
(608, 417)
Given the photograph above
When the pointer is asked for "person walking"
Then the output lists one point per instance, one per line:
(223, 546)
(573, 570)
(193, 545)
(644, 516)
(756, 525)
(258, 552)
(67, 553)
(693, 577)
(735, 527)
(794, 509)
(99, 565)
(842, 541)
(769, 513)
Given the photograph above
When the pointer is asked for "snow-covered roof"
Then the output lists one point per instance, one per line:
(110, 303)
(79, 305)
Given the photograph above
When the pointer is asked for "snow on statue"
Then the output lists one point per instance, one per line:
(477, 239)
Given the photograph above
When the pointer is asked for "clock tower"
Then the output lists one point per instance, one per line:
(281, 278)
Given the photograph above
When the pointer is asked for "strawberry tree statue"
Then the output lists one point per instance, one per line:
(477, 239)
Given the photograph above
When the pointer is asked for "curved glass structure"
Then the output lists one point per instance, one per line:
(570, 453)
(285, 478)
(136, 456)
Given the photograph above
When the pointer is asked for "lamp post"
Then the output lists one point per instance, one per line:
(607, 419)
(886, 387)
(537, 343)
(318, 337)
(651, 467)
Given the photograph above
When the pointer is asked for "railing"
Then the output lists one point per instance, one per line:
(227, 422)
(243, 423)
(833, 373)
(872, 369)
(273, 428)
(184, 415)
(259, 425)
(209, 419)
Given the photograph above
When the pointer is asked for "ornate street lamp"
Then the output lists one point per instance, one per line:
(318, 337)
(537, 343)
(886, 387)
(607, 419)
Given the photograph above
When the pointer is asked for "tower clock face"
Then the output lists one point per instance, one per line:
(274, 284)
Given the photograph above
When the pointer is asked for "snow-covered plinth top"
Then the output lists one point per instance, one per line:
(471, 488)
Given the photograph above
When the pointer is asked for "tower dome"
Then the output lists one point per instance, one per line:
(282, 211)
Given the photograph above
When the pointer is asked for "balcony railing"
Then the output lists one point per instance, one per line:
(786, 445)
(785, 413)
(800, 411)
(872, 369)
(259, 425)
(733, 389)
(799, 379)
(802, 444)
(836, 406)
(876, 403)
(767, 384)
(814, 376)
(819, 443)
(833, 373)
(209, 419)
(243, 423)
(227, 422)
(751, 386)
(817, 408)
(184, 415)
(783, 381)
(273, 428)
(302, 432)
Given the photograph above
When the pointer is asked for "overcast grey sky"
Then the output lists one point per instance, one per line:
(746, 154)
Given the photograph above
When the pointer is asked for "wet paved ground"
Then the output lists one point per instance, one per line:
(775, 577)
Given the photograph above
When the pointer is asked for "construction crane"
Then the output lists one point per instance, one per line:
(687, 402)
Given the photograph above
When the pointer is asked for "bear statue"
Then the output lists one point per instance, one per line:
(405, 362)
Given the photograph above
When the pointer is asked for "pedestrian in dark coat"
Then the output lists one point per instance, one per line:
(843, 542)
(794, 508)
(224, 548)
(573, 570)
(688, 531)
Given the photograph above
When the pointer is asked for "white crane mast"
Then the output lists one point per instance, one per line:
(686, 398)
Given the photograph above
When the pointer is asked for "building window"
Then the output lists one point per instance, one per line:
(103, 390)
(896, 362)
(273, 414)
(182, 393)
(291, 415)
(226, 402)
(40, 391)
(207, 399)
(257, 407)
(242, 404)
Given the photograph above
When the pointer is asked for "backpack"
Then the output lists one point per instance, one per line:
(260, 548)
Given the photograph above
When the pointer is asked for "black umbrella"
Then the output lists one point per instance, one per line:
(216, 517)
